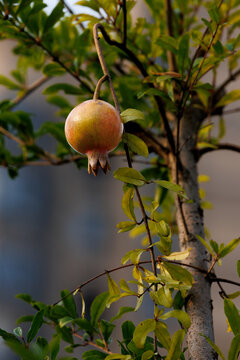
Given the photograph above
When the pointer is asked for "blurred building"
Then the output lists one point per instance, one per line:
(58, 224)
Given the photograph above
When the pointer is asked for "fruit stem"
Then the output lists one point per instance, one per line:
(98, 86)
(97, 27)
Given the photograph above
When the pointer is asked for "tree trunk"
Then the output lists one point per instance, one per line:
(190, 223)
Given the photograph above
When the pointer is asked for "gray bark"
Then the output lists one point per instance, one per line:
(199, 304)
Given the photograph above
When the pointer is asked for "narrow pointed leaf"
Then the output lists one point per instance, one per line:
(175, 348)
(121, 312)
(55, 15)
(98, 306)
(205, 243)
(230, 97)
(234, 348)
(233, 316)
(214, 346)
(36, 324)
(229, 247)
(127, 203)
(171, 186)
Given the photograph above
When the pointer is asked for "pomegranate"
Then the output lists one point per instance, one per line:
(94, 128)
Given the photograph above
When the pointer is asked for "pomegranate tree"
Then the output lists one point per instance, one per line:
(94, 128)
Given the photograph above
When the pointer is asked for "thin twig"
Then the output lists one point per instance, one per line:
(212, 277)
(231, 78)
(11, 136)
(124, 9)
(54, 57)
(216, 147)
(89, 342)
(28, 90)
(139, 65)
(170, 18)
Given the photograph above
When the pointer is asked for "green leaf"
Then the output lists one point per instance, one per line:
(147, 355)
(123, 310)
(181, 315)
(127, 331)
(229, 247)
(214, 346)
(93, 355)
(233, 316)
(25, 318)
(183, 51)
(238, 267)
(9, 83)
(127, 203)
(234, 295)
(53, 18)
(130, 176)
(53, 69)
(18, 331)
(205, 243)
(64, 321)
(163, 229)
(162, 296)
(175, 348)
(66, 88)
(168, 43)
(234, 348)
(107, 329)
(171, 186)
(179, 273)
(118, 356)
(214, 12)
(218, 47)
(136, 144)
(163, 335)
(230, 97)
(69, 303)
(133, 256)
(131, 115)
(124, 226)
(55, 346)
(8, 336)
(98, 306)
(141, 332)
(36, 324)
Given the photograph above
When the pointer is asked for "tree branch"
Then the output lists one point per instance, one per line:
(144, 73)
(170, 18)
(54, 57)
(28, 90)
(226, 146)
(231, 78)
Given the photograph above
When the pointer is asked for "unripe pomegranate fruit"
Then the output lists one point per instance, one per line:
(94, 128)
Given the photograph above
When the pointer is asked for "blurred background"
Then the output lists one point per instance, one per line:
(58, 224)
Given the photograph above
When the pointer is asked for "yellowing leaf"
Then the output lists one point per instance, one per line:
(230, 97)
(127, 203)
(141, 332)
(130, 176)
(181, 255)
(136, 144)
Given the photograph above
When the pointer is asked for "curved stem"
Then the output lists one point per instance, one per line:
(103, 64)
(98, 87)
